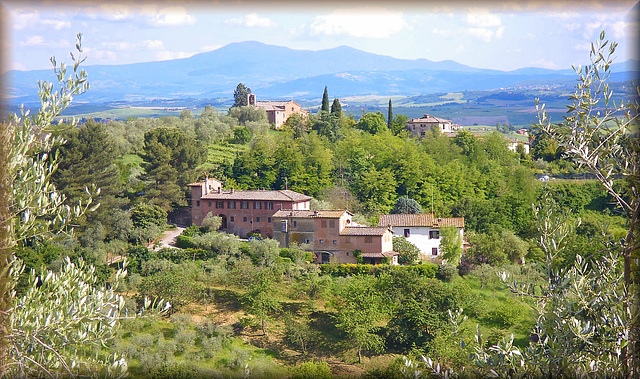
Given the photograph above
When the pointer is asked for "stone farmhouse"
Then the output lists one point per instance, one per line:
(333, 236)
(277, 111)
(423, 230)
(420, 126)
(242, 212)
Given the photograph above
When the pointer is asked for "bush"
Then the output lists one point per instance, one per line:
(464, 268)
(447, 272)
(311, 370)
(506, 314)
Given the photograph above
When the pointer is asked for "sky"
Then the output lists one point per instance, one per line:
(502, 35)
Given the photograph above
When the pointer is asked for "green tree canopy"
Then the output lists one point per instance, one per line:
(406, 205)
(240, 95)
(372, 123)
(408, 252)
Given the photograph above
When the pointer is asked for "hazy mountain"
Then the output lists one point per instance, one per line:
(279, 72)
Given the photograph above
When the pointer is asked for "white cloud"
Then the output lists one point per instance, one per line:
(251, 20)
(172, 16)
(564, 15)
(23, 18)
(57, 25)
(482, 18)
(153, 44)
(33, 41)
(119, 45)
(167, 55)
(37, 40)
(209, 48)
(484, 25)
(441, 32)
(368, 22)
(114, 11)
(101, 55)
(486, 34)
(543, 63)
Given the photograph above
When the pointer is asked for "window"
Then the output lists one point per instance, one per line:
(257, 219)
(197, 203)
(295, 223)
(257, 205)
(244, 219)
(323, 223)
(231, 205)
(244, 205)
(335, 242)
(209, 204)
(347, 253)
(220, 204)
(268, 205)
(269, 220)
(368, 239)
(233, 219)
(307, 240)
(407, 233)
(434, 234)
(321, 241)
(434, 251)
(332, 223)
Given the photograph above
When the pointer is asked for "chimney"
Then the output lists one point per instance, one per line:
(316, 213)
(231, 189)
(206, 185)
(219, 189)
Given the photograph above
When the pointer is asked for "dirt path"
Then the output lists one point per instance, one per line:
(169, 238)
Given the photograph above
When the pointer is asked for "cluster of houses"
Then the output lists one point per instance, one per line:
(331, 235)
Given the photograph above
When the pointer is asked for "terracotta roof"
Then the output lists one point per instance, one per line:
(310, 214)
(427, 118)
(363, 231)
(274, 105)
(379, 255)
(423, 219)
(200, 183)
(281, 195)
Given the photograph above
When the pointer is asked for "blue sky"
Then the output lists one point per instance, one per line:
(503, 35)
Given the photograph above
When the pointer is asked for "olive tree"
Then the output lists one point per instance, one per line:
(587, 321)
(55, 326)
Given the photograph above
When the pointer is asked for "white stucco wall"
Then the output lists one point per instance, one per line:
(419, 236)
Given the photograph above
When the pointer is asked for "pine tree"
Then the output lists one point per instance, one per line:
(240, 95)
(390, 117)
(325, 101)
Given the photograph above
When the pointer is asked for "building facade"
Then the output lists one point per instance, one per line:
(333, 236)
(422, 230)
(242, 212)
(277, 111)
(419, 127)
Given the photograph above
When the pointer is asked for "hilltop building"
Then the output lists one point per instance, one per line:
(334, 237)
(277, 111)
(420, 126)
(422, 230)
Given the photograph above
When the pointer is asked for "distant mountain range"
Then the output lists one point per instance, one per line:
(276, 72)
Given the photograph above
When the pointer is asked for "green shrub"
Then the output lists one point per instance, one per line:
(447, 272)
(506, 314)
(311, 370)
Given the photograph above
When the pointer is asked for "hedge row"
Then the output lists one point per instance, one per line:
(427, 269)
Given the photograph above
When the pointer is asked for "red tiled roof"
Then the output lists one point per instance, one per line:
(310, 214)
(281, 195)
(423, 219)
(426, 118)
(379, 255)
(363, 231)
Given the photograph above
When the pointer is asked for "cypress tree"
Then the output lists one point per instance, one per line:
(325, 100)
(390, 117)
(336, 108)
